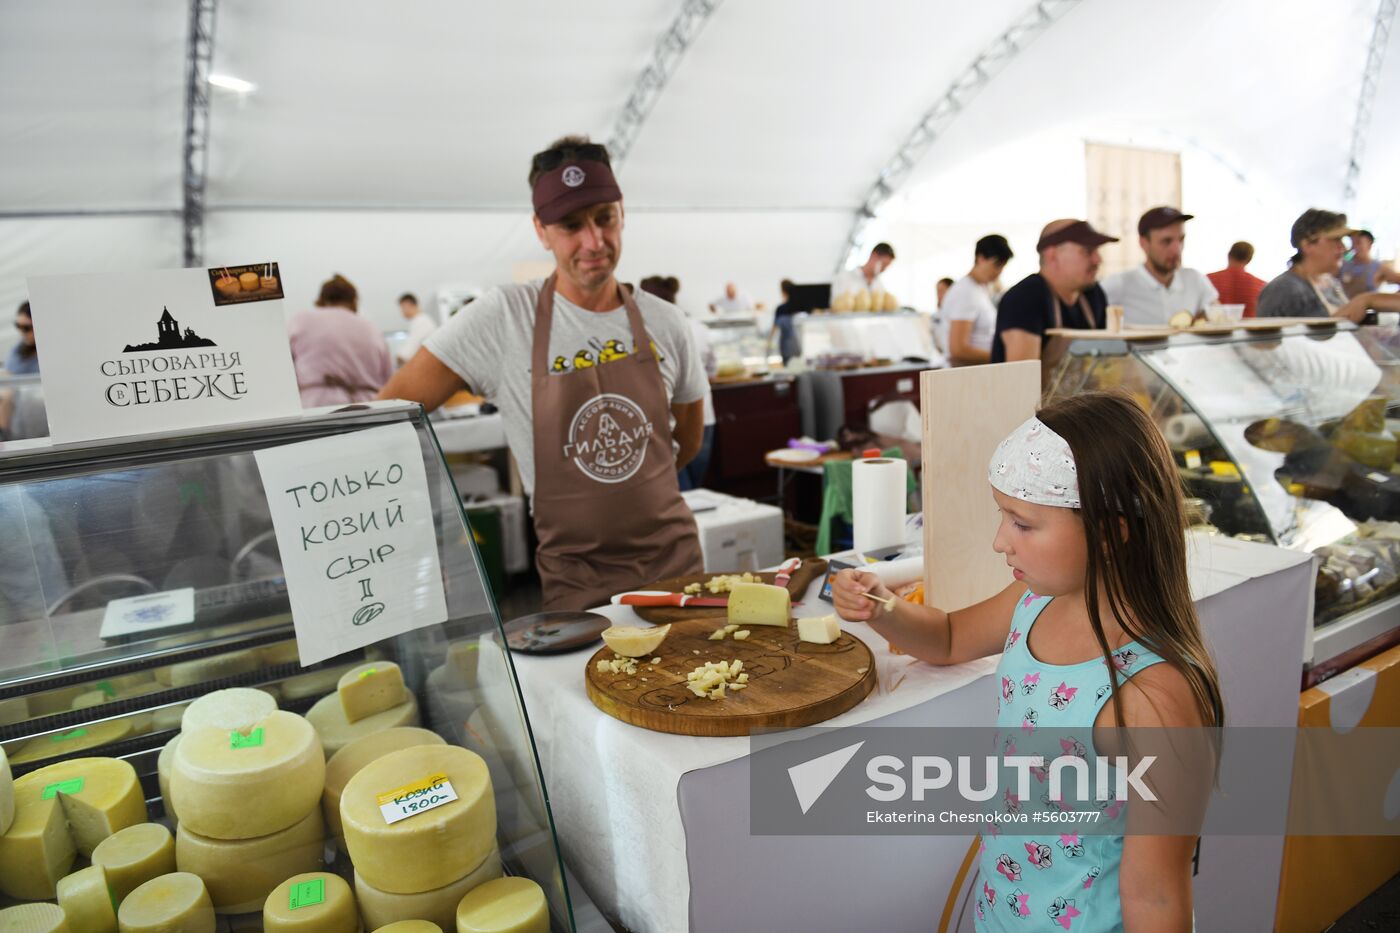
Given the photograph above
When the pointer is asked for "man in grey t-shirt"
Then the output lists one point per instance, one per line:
(1310, 287)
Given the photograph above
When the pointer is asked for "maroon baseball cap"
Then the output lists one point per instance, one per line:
(579, 183)
(1160, 217)
(1071, 231)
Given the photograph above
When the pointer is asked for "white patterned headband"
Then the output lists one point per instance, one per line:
(1034, 464)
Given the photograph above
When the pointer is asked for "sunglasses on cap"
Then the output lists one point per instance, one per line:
(552, 159)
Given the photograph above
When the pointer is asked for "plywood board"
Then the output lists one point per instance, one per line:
(966, 413)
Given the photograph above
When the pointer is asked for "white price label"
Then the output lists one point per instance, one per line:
(418, 797)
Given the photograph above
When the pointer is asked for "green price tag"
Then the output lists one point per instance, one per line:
(73, 786)
(364, 674)
(65, 736)
(306, 893)
(107, 688)
(251, 740)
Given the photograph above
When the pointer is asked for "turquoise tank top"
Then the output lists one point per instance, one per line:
(1054, 879)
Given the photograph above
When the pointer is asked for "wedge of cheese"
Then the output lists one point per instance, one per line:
(34, 918)
(430, 848)
(370, 688)
(174, 903)
(130, 857)
(312, 902)
(506, 905)
(822, 630)
(347, 762)
(234, 709)
(247, 784)
(74, 740)
(241, 873)
(87, 903)
(7, 794)
(336, 732)
(759, 604)
(438, 906)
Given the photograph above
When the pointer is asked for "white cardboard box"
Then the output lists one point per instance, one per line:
(736, 534)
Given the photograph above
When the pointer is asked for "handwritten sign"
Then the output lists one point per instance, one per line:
(354, 525)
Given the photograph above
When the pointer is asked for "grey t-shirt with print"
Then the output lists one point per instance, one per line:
(1291, 295)
(488, 343)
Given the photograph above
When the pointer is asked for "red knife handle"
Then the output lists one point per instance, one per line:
(660, 599)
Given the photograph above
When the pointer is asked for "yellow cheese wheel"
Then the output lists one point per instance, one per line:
(135, 855)
(233, 709)
(314, 902)
(439, 906)
(336, 732)
(347, 762)
(57, 700)
(242, 785)
(506, 905)
(37, 851)
(34, 918)
(312, 684)
(241, 873)
(80, 739)
(433, 847)
(7, 794)
(87, 902)
(165, 765)
(283, 652)
(98, 795)
(370, 688)
(203, 670)
(410, 926)
(107, 691)
(174, 903)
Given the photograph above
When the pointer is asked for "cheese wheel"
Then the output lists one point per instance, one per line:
(87, 902)
(98, 795)
(237, 785)
(315, 902)
(431, 848)
(57, 700)
(203, 670)
(107, 692)
(80, 739)
(15, 709)
(336, 731)
(370, 688)
(174, 903)
(7, 794)
(283, 652)
(37, 851)
(438, 906)
(165, 765)
(410, 926)
(314, 684)
(506, 905)
(234, 709)
(34, 918)
(240, 874)
(347, 762)
(132, 856)
(759, 604)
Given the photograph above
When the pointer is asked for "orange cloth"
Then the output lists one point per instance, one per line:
(1237, 287)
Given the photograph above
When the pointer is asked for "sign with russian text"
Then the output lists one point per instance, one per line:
(354, 526)
(140, 352)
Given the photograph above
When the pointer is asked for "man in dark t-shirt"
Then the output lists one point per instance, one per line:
(1063, 294)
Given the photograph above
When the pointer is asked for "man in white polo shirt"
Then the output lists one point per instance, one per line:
(1152, 292)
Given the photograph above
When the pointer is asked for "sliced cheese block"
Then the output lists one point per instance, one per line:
(203, 670)
(314, 902)
(135, 855)
(233, 709)
(174, 903)
(410, 926)
(7, 794)
(433, 847)
(283, 652)
(98, 795)
(370, 688)
(819, 631)
(336, 732)
(86, 901)
(34, 918)
(165, 766)
(74, 740)
(242, 785)
(37, 851)
(506, 905)
(314, 684)
(347, 762)
(240, 874)
(438, 906)
(15, 709)
(759, 604)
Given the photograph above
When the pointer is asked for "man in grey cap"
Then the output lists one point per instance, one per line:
(1152, 292)
(1310, 287)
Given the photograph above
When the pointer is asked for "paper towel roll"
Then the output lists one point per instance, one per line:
(894, 573)
(1186, 432)
(878, 495)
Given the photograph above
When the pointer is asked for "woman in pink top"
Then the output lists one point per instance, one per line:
(339, 356)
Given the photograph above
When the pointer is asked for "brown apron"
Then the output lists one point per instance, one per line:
(607, 506)
(1053, 349)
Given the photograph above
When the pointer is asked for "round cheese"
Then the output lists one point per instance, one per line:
(410, 926)
(165, 764)
(7, 794)
(283, 652)
(98, 795)
(347, 762)
(37, 851)
(53, 701)
(15, 709)
(506, 905)
(434, 846)
(370, 688)
(313, 684)
(439, 906)
(315, 902)
(240, 874)
(336, 732)
(174, 903)
(74, 740)
(242, 785)
(133, 856)
(235, 709)
(87, 903)
(203, 670)
(34, 918)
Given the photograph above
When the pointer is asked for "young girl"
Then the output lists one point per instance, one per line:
(1092, 528)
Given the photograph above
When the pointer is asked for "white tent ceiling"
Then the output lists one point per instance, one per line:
(390, 142)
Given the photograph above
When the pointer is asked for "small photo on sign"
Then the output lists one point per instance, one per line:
(234, 285)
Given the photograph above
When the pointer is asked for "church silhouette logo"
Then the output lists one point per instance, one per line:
(168, 337)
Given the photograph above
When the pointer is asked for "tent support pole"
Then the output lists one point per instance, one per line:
(198, 55)
(1370, 82)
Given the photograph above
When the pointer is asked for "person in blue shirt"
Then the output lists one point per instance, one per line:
(24, 357)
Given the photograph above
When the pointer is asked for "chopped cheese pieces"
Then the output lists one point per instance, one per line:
(631, 641)
(336, 732)
(347, 762)
(438, 907)
(715, 679)
(312, 902)
(721, 583)
(822, 630)
(86, 902)
(234, 709)
(741, 635)
(240, 873)
(617, 666)
(506, 905)
(370, 688)
(759, 604)
(130, 857)
(174, 903)
(34, 918)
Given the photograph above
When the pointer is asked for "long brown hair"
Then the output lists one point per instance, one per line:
(1127, 479)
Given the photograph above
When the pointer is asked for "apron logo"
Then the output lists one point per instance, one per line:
(608, 438)
(573, 176)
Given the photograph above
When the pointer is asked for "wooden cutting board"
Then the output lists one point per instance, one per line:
(663, 615)
(791, 683)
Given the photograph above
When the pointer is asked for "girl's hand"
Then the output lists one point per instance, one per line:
(847, 592)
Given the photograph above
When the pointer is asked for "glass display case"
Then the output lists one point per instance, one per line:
(1283, 433)
(741, 348)
(839, 338)
(22, 412)
(86, 525)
